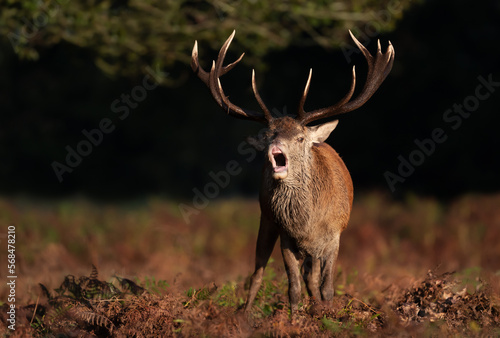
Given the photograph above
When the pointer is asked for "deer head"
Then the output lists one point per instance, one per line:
(288, 140)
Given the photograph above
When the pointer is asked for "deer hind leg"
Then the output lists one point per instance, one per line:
(312, 274)
(328, 270)
(268, 234)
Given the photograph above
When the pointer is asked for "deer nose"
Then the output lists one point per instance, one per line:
(277, 142)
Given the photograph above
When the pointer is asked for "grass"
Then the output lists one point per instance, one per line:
(175, 279)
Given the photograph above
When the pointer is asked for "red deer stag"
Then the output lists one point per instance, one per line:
(306, 190)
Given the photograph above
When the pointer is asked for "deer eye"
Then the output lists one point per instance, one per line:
(300, 139)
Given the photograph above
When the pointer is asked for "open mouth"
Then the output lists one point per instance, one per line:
(278, 160)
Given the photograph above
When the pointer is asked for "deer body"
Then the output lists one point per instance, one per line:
(312, 205)
(306, 191)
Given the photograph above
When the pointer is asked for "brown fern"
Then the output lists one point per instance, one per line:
(93, 318)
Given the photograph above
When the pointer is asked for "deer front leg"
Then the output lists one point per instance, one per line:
(268, 234)
(328, 263)
(291, 260)
(312, 275)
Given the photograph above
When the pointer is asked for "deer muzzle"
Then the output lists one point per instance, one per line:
(279, 162)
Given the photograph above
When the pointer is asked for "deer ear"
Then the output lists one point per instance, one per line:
(320, 133)
(258, 142)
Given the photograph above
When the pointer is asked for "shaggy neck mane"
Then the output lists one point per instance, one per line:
(291, 199)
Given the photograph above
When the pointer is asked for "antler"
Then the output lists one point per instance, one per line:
(378, 69)
(213, 83)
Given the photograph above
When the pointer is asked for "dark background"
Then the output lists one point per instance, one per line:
(170, 143)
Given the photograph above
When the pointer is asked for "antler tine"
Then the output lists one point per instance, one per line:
(266, 111)
(222, 55)
(301, 113)
(348, 96)
(211, 79)
(195, 64)
(378, 69)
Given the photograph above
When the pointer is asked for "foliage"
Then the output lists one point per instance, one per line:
(196, 295)
(227, 296)
(384, 256)
(80, 300)
(154, 286)
(428, 308)
(125, 37)
(443, 297)
(270, 295)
